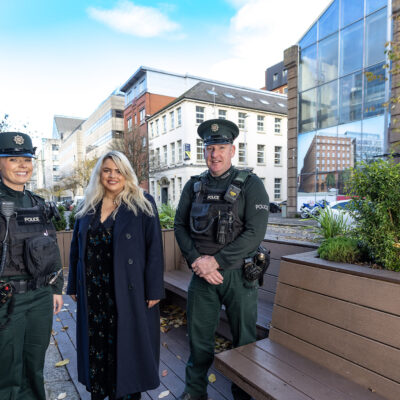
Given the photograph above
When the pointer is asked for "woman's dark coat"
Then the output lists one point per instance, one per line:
(138, 273)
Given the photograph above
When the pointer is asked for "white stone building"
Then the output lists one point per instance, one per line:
(176, 151)
(48, 163)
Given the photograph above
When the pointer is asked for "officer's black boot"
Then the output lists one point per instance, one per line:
(188, 396)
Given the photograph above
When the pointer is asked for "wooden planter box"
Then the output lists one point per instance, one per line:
(342, 316)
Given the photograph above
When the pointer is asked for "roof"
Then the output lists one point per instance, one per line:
(227, 95)
(67, 124)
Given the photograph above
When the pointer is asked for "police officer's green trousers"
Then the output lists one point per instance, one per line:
(23, 345)
(203, 311)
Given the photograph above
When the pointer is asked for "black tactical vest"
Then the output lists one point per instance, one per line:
(32, 242)
(214, 217)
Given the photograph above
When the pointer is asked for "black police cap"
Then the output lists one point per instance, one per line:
(16, 144)
(218, 131)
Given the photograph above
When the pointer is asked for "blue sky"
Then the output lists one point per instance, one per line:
(65, 57)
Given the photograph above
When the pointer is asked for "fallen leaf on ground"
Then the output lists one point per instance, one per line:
(163, 394)
(164, 373)
(62, 396)
(64, 309)
(212, 378)
(179, 357)
(164, 344)
(64, 328)
(58, 319)
(62, 363)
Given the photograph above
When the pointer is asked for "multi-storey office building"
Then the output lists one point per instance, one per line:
(176, 151)
(331, 93)
(104, 125)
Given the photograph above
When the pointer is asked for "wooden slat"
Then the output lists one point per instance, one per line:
(255, 380)
(356, 289)
(382, 359)
(357, 319)
(315, 371)
(356, 373)
(169, 250)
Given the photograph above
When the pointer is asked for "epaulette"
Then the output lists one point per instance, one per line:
(241, 176)
(38, 198)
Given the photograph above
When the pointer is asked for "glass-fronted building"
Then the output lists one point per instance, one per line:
(342, 87)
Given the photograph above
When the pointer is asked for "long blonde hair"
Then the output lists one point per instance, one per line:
(132, 195)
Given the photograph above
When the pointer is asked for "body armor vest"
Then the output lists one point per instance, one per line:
(32, 243)
(214, 217)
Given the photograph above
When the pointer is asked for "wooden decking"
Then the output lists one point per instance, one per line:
(174, 354)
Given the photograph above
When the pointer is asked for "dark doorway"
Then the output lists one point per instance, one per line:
(164, 195)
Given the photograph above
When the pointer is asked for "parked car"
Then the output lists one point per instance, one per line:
(274, 207)
(343, 207)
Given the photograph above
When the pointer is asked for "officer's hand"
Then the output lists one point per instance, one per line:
(214, 278)
(205, 265)
(57, 303)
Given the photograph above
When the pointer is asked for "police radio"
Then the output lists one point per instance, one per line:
(7, 211)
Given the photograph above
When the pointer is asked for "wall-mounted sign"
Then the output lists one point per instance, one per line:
(187, 151)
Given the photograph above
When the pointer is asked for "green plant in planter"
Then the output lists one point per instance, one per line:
(375, 188)
(61, 224)
(166, 214)
(340, 249)
(331, 224)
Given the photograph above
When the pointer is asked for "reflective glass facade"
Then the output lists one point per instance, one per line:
(341, 111)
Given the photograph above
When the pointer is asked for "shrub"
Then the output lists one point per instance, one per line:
(61, 224)
(340, 249)
(166, 213)
(376, 200)
(331, 224)
(71, 218)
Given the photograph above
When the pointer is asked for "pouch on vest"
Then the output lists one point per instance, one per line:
(41, 255)
(200, 220)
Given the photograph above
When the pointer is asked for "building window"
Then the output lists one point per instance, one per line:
(56, 167)
(277, 188)
(135, 119)
(180, 185)
(151, 129)
(278, 155)
(144, 142)
(165, 155)
(278, 125)
(242, 120)
(260, 154)
(179, 116)
(275, 77)
(172, 119)
(199, 114)
(260, 123)
(242, 153)
(142, 116)
(157, 127)
(152, 160)
(158, 159)
(179, 145)
(173, 188)
(164, 124)
(54, 147)
(199, 150)
(153, 189)
(284, 73)
(129, 121)
(172, 145)
(222, 114)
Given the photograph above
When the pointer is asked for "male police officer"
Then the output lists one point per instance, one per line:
(220, 221)
(30, 274)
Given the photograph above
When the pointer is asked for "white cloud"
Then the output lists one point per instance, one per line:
(135, 20)
(259, 33)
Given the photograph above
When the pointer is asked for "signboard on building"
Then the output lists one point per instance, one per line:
(187, 151)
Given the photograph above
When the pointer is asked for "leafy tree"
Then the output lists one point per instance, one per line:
(330, 180)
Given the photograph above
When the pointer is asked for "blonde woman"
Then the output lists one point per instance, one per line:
(116, 277)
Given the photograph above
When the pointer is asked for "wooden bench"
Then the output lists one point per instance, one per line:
(334, 335)
(177, 277)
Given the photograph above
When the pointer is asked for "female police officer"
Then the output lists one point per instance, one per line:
(30, 274)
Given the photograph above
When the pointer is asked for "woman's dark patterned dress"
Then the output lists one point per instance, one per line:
(102, 313)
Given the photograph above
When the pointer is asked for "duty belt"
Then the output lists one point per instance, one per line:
(23, 286)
